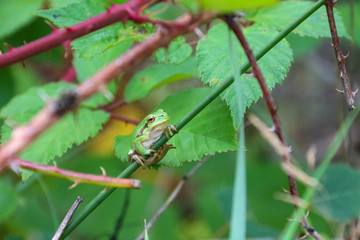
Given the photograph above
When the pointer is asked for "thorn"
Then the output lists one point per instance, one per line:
(347, 55)
(104, 190)
(112, 4)
(290, 219)
(103, 171)
(55, 165)
(74, 185)
(339, 91)
(51, 25)
(355, 92)
(106, 93)
(8, 46)
(198, 32)
(341, 75)
(24, 42)
(305, 236)
(23, 64)
(290, 149)
(272, 129)
(285, 190)
(15, 167)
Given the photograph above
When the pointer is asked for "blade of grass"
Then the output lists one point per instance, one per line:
(292, 226)
(238, 209)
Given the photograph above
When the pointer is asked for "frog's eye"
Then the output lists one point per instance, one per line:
(151, 119)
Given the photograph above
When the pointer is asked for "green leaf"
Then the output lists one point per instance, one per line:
(85, 68)
(207, 133)
(8, 200)
(280, 14)
(73, 13)
(339, 194)
(73, 128)
(215, 64)
(97, 42)
(122, 146)
(233, 5)
(177, 52)
(157, 75)
(12, 21)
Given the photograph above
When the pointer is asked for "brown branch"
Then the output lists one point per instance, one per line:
(76, 177)
(230, 20)
(171, 198)
(24, 135)
(67, 218)
(348, 93)
(124, 119)
(116, 13)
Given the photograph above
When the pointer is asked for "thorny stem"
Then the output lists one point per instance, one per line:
(76, 177)
(53, 111)
(171, 198)
(116, 13)
(349, 94)
(230, 20)
(67, 218)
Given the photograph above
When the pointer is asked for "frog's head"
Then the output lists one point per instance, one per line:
(158, 118)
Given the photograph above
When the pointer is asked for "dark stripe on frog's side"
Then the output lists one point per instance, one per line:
(142, 130)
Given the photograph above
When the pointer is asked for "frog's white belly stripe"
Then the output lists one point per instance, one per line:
(154, 135)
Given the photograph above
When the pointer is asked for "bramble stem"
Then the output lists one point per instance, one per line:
(67, 218)
(230, 20)
(348, 93)
(115, 14)
(76, 177)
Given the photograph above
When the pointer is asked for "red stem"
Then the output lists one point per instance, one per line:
(349, 94)
(101, 180)
(272, 109)
(124, 119)
(115, 14)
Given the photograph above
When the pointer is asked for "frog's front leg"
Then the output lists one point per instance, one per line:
(160, 154)
(169, 131)
(132, 156)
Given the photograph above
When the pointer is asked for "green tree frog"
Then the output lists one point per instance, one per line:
(151, 128)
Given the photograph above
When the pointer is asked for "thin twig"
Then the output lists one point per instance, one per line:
(348, 93)
(112, 106)
(124, 119)
(230, 20)
(116, 13)
(24, 135)
(67, 219)
(120, 220)
(171, 198)
(76, 177)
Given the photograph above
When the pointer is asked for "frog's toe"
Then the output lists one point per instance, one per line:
(137, 159)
